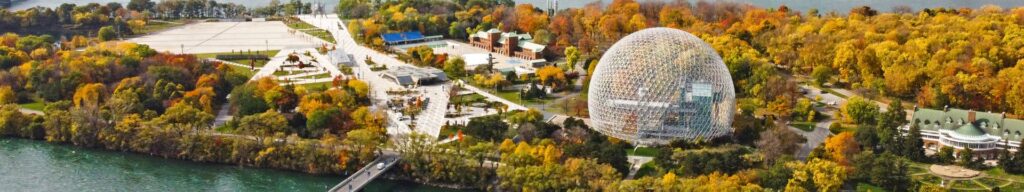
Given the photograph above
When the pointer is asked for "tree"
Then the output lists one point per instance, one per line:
(816, 175)
(263, 124)
(860, 110)
(821, 74)
(140, 5)
(106, 33)
(841, 148)
(1014, 163)
(572, 55)
(890, 172)
(913, 145)
(184, 118)
(778, 142)
(124, 102)
(775, 176)
(90, 94)
(7, 95)
(866, 136)
(248, 100)
(487, 127)
(455, 67)
(965, 158)
(549, 75)
(366, 142)
(888, 124)
(521, 117)
(945, 155)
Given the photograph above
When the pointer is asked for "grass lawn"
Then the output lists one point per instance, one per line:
(829, 90)
(281, 72)
(38, 106)
(643, 151)
(967, 185)
(467, 99)
(992, 182)
(513, 96)
(844, 128)
(647, 169)
(1015, 186)
(805, 126)
(447, 131)
(310, 29)
(317, 86)
(270, 53)
(156, 26)
(244, 70)
(320, 76)
(865, 187)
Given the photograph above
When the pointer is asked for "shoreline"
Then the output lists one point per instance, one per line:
(391, 175)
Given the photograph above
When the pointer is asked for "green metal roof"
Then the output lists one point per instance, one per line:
(958, 120)
(970, 130)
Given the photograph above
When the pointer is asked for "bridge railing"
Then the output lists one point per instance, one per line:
(372, 165)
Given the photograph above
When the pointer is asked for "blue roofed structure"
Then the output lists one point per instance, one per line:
(407, 37)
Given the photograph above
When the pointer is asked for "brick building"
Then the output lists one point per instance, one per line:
(510, 44)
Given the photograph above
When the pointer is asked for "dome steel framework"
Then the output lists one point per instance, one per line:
(658, 85)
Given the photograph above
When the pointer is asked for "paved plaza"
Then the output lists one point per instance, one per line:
(219, 37)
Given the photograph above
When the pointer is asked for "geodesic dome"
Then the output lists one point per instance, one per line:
(660, 84)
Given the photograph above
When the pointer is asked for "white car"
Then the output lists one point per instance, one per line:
(380, 166)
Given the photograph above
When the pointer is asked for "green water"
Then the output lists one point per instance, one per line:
(29, 165)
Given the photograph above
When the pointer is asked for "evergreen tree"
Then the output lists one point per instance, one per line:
(867, 136)
(913, 146)
(1012, 163)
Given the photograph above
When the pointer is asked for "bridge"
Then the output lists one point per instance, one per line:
(360, 178)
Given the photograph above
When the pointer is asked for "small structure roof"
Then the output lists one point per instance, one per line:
(406, 75)
(402, 37)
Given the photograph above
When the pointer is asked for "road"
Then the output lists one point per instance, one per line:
(821, 132)
(30, 111)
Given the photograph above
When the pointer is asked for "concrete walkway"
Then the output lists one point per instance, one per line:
(511, 105)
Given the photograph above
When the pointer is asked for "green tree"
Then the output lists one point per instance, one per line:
(106, 33)
(860, 110)
(264, 124)
(821, 74)
(487, 127)
(366, 141)
(945, 155)
(247, 100)
(913, 144)
(572, 55)
(184, 118)
(140, 5)
(455, 67)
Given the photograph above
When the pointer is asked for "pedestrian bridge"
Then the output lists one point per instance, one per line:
(360, 178)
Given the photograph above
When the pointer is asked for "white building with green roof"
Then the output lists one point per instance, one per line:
(985, 133)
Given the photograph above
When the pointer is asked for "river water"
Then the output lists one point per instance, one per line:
(30, 165)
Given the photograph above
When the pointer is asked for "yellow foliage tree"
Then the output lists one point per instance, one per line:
(841, 148)
(89, 94)
(7, 95)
